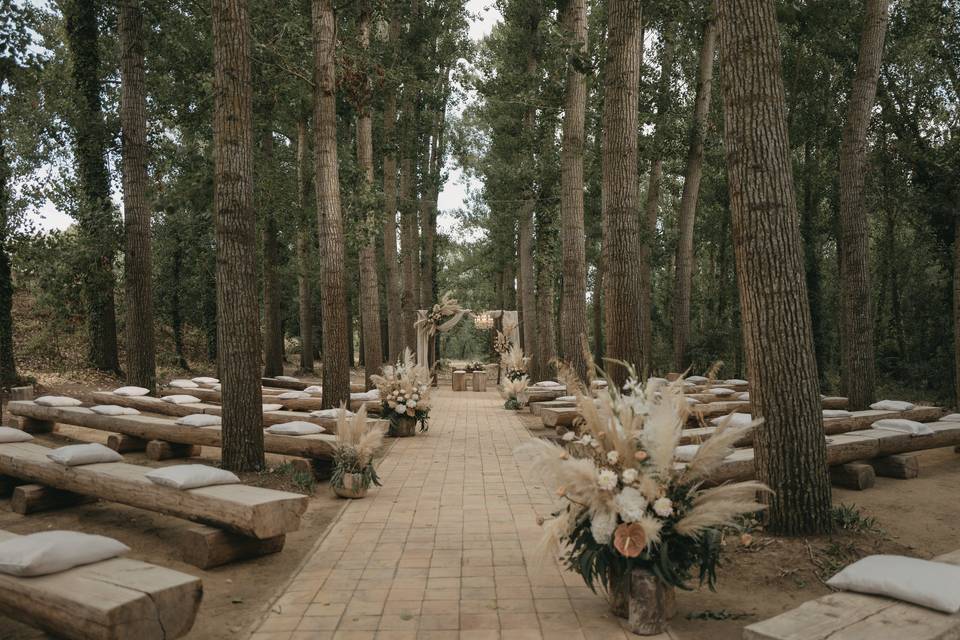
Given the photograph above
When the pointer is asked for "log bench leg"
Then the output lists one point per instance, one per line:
(853, 475)
(902, 466)
(126, 444)
(31, 425)
(31, 498)
(8, 484)
(207, 547)
(162, 450)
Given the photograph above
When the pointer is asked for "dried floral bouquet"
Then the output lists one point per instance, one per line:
(405, 391)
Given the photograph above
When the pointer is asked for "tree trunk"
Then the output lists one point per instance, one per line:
(525, 227)
(573, 319)
(238, 316)
(598, 314)
(369, 287)
(336, 332)
(392, 288)
(304, 242)
(8, 367)
(428, 206)
(789, 447)
(138, 271)
(811, 248)
(96, 220)
(272, 303)
(956, 309)
(856, 305)
(691, 192)
(621, 197)
(409, 236)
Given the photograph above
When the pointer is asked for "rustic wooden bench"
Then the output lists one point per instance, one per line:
(540, 394)
(110, 600)
(292, 404)
(259, 518)
(299, 385)
(854, 616)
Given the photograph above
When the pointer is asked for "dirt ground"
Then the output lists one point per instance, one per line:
(918, 517)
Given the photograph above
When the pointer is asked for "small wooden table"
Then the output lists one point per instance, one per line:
(459, 380)
(479, 380)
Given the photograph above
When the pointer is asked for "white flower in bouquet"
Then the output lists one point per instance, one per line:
(586, 440)
(603, 525)
(613, 457)
(630, 504)
(416, 396)
(400, 408)
(663, 507)
(607, 479)
(411, 404)
(569, 436)
(629, 476)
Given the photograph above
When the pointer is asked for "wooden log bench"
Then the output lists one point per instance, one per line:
(300, 385)
(265, 515)
(540, 394)
(149, 429)
(854, 616)
(559, 416)
(114, 599)
(537, 407)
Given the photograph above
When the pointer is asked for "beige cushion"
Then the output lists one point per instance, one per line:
(205, 380)
(892, 405)
(199, 420)
(75, 455)
(296, 428)
(696, 379)
(330, 413)
(191, 476)
(736, 420)
(287, 378)
(40, 554)
(181, 399)
(183, 384)
(114, 410)
(735, 381)
(8, 434)
(924, 582)
(272, 407)
(836, 413)
(721, 391)
(58, 401)
(131, 391)
(912, 427)
(293, 395)
(314, 388)
(686, 452)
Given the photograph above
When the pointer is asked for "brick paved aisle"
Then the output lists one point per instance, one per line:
(445, 549)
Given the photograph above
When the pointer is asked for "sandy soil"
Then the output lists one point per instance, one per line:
(918, 517)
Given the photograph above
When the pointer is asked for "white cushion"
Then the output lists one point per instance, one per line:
(75, 455)
(293, 395)
(183, 384)
(191, 476)
(181, 399)
(924, 582)
(296, 428)
(743, 397)
(692, 401)
(114, 410)
(735, 381)
(696, 379)
(686, 452)
(40, 554)
(198, 420)
(547, 383)
(736, 420)
(57, 401)
(912, 427)
(287, 378)
(268, 406)
(217, 387)
(657, 381)
(892, 405)
(8, 434)
(721, 391)
(459, 371)
(205, 380)
(330, 413)
(131, 391)
(951, 417)
(314, 388)
(373, 394)
(836, 413)
(567, 399)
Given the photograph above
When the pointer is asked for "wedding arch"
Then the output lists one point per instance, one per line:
(428, 327)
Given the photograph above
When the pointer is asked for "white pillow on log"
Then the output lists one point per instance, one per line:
(743, 397)
(296, 428)
(836, 413)
(735, 381)
(199, 420)
(567, 399)
(270, 406)
(40, 554)
(696, 379)
(58, 401)
(181, 399)
(735, 420)
(75, 455)
(287, 378)
(191, 476)
(131, 391)
(183, 384)
(548, 384)
(114, 410)
(912, 427)
(951, 417)
(293, 395)
(205, 380)
(892, 405)
(686, 452)
(330, 413)
(314, 388)
(692, 401)
(8, 434)
(721, 391)
(217, 387)
(923, 582)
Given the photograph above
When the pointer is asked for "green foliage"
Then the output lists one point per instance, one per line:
(848, 518)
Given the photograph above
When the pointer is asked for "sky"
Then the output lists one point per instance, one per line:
(452, 197)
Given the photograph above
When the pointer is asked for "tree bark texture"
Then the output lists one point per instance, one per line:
(336, 331)
(138, 271)
(573, 304)
(428, 205)
(8, 367)
(956, 308)
(778, 341)
(369, 287)
(304, 252)
(621, 197)
(683, 281)
(409, 235)
(858, 369)
(95, 218)
(392, 288)
(272, 302)
(238, 314)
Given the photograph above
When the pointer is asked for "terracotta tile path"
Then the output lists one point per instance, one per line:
(445, 549)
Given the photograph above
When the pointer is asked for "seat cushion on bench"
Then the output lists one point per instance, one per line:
(181, 399)
(114, 410)
(205, 380)
(8, 434)
(296, 428)
(912, 427)
(199, 420)
(191, 476)
(183, 384)
(892, 405)
(40, 554)
(929, 584)
(75, 455)
(131, 391)
(57, 401)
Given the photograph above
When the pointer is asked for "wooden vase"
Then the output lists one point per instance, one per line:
(353, 486)
(618, 593)
(652, 603)
(403, 427)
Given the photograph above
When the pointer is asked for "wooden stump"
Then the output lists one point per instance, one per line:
(652, 603)
(162, 450)
(207, 547)
(403, 427)
(902, 466)
(479, 380)
(853, 475)
(125, 444)
(459, 380)
(31, 498)
(618, 594)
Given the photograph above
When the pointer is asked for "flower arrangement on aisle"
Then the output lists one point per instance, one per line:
(405, 393)
(515, 363)
(501, 343)
(357, 446)
(474, 367)
(627, 503)
(512, 390)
